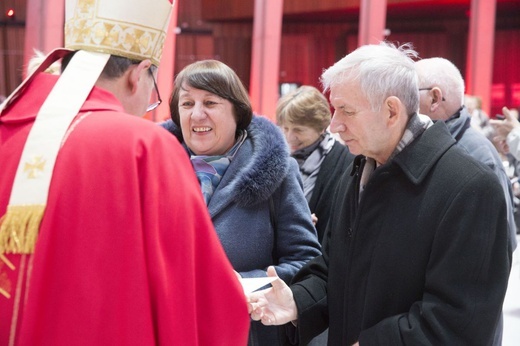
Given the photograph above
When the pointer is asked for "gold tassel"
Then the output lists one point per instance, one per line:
(19, 228)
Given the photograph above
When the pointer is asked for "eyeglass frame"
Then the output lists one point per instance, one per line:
(156, 104)
(429, 89)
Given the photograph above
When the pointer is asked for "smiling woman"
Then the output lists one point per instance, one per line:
(207, 120)
(244, 168)
(216, 83)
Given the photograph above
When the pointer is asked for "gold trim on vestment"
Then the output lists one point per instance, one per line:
(17, 300)
(19, 229)
(5, 293)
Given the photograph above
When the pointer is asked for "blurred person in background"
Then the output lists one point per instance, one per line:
(479, 118)
(304, 115)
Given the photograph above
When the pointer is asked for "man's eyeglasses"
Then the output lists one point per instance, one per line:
(421, 89)
(154, 105)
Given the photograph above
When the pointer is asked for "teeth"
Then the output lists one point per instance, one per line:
(201, 129)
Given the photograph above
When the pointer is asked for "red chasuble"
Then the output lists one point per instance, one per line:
(126, 253)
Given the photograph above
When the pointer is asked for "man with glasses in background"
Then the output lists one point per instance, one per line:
(104, 235)
(442, 98)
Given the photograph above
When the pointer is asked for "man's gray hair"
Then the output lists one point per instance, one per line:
(442, 73)
(382, 71)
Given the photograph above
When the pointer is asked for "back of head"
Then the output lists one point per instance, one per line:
(304, 106)
(382, 71)
(442, 73)
(219, 79)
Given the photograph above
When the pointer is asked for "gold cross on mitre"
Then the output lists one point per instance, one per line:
(35, 168)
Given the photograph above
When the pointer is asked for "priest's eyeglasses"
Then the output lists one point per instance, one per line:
(154, 105)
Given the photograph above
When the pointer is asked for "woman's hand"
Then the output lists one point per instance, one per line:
(314, 219)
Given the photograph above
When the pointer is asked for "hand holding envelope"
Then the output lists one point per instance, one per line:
(252, 284)
(274, 305)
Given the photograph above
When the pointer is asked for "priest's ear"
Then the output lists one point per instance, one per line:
(136, 73)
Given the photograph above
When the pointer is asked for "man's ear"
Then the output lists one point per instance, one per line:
(437, 98)
(135, 73)
(394, 109)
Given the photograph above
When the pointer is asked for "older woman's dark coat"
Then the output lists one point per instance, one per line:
(332, 168)
(421, 259)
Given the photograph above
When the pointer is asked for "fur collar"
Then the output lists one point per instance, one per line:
(261, 163)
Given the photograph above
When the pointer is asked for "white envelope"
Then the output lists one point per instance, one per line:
(252, 284)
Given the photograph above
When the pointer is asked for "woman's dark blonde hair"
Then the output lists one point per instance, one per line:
(219, 79)
(304, 106)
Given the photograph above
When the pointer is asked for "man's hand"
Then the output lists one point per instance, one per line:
(275, 305)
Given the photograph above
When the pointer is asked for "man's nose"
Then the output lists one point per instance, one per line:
(336, 125)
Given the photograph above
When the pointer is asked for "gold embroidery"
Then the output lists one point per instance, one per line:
(5, 293)
(6, 261)
(86, 5)
(17, 304)
(85, 29)
(5, 283)
(33, 169)
(19, 228)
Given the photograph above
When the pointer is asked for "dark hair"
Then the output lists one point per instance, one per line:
(219, 79)
(115, 67)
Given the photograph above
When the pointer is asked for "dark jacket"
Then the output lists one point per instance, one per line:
(479, 147)
(331, 170)
(421, 259)
(239, 209)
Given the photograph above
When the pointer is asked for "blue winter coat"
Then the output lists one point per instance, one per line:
(239, 208)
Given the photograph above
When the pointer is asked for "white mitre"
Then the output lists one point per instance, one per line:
(134, 29)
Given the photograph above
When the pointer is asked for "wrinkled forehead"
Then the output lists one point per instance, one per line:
(347, 93)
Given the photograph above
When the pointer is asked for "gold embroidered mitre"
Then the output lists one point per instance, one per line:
(133, 29)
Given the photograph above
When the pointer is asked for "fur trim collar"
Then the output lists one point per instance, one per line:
(260, 167)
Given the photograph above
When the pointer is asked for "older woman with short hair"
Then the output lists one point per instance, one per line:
(304, 116)
(250, 183)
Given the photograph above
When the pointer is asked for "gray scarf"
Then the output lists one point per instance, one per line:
(310, 159)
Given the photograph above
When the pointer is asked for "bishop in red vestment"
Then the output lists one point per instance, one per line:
(126, 252)
(104, 235)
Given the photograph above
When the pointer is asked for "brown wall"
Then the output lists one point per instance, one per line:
(12, 40)
(310, 45)
(222, 29)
